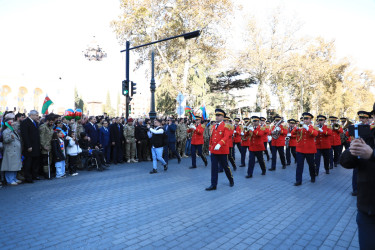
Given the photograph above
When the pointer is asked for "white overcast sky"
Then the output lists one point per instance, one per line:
(42, 40)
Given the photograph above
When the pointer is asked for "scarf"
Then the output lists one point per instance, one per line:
(9, 126)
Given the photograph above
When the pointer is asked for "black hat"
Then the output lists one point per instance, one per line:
(308, 115)
(268, 121)
(301, 118)
(246, 119)
(292, 121)
(262, 118)
(198, 117)
(220, 112)
(363, 114)
(321, 117)
(237, 119)
(343, 118)
(226, 118)
(277, 117)
(255, 118)
(333, 117)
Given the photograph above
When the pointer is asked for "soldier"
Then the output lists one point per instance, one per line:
(228, 122)
(245, 142)
(79, 129)
(181, 136)
(306, 148)
(256, 147)
(279, 143)
(236, 137)
(292, 143)
(197, 141)
(323, 144)
(219, 150)
(46, 132)
(345, 138)
(265, 135)
(206, 137)
(335, 141)
(129, 135)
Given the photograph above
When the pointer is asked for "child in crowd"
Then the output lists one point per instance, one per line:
(72, 150)
(58, 151)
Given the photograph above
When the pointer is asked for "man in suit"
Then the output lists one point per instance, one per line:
(116, 132)
(31, 146)
(104, 140)
(170, 128)
(92, 132)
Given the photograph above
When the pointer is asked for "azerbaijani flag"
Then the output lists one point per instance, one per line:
(204, 113)
(189, 111)
(47, 102)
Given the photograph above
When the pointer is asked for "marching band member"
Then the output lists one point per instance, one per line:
(323, 144)
(256, 147)
(306, 148)
(279, 143)
(236, 137)
(245, 142)
(335, 142)
(219, 150)
(197, 141)
(228, 122)
(291, 148)
(265, 135)
(346, 144)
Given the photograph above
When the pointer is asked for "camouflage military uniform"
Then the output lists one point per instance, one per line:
(79, 130)
(46, 133)
(181, 136)
(129, 134)
(206, 137)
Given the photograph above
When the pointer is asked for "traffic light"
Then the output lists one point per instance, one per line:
(133, 89)
(125, 88)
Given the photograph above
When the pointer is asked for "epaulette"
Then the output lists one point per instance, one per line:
(262, 128)
(285, 127)
(228, 126)
(372, 126)
(316, 128)
(203, 126)
(241, 127)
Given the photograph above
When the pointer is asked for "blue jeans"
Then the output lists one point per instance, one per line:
(11, 176)
(60, 169)
(157, 154)
(188, 147)
(366, 230)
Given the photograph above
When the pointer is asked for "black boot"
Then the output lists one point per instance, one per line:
(210, 188)
(165, 167)
(153, 171)
(204, 160)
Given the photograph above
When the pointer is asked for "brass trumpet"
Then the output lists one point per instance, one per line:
(335, 126)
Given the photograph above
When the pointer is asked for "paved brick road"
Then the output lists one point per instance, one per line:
(125, 207)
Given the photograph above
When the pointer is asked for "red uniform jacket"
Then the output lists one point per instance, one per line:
(237, 135)
(323, 140)
(220, 135)
(245, 139)
(293, 138)
(336, 140)
(279, 142)
(306, 144)
(266, 133)
(230, 140)
(348, 137)
(256, 140)
(197, 137)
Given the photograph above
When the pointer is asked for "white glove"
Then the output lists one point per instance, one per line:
(193, 127)
(278, 129)
(306, 127)
(251, 128)
(209, 152)
(234, 132)
(217, 147)
(289, 134)
(320, 130)
(242, 133)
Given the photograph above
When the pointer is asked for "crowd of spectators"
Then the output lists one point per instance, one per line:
(35, 147)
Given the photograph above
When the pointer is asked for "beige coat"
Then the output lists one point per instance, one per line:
(12, 151)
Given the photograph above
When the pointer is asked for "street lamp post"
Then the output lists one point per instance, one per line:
(152, 113)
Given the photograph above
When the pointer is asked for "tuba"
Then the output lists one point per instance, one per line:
(276, 134)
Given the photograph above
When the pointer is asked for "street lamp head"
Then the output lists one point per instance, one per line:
(192, 34)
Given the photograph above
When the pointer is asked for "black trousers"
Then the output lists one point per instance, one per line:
(259, 156)
(142, 150)
(336, 154)
(118, 154)
(288, 156)
(72, 166)
(217, 159)
(31, 167)
(318, 155)
(366, 230)
(274, 157)
(238, 145)
(266, 150)
(231, 158)
(170, 146)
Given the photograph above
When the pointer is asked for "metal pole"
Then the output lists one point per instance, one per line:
(152, 113)
(127, 78)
